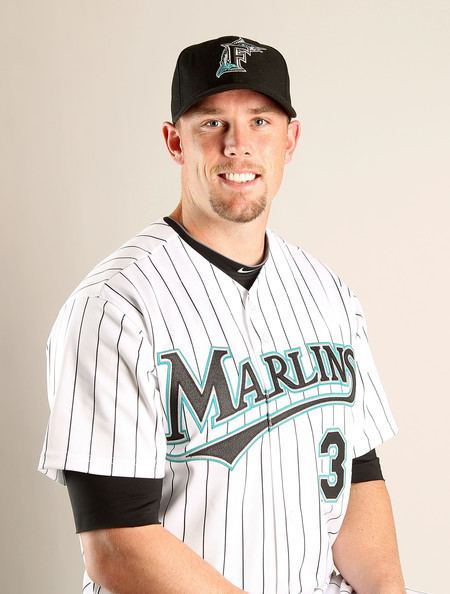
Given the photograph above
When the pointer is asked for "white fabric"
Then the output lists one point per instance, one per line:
(253, 482)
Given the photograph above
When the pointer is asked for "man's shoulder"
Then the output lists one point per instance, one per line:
(137, 248)
(113, 279)
(301, 257)
(319, 286)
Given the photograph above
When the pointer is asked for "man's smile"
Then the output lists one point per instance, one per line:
(240, 179)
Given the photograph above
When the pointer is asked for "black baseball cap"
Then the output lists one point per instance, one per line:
(226, 63)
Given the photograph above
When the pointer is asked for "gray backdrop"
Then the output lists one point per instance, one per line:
(84, 90)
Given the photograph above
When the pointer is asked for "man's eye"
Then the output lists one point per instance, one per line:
(260, 122)
(213, 123)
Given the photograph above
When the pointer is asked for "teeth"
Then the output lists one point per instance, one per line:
(240, 177)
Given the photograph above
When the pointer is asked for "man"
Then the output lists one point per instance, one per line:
(214, 402)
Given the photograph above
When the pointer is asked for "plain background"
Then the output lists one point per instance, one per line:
(85, 86)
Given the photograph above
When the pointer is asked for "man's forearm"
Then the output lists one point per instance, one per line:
(149, 560)
(365, 551)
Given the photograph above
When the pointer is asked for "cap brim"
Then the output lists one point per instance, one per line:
(287, 107)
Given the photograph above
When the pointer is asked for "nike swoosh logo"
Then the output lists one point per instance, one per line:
(244, 270)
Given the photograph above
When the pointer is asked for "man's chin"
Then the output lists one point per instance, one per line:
(238, 210)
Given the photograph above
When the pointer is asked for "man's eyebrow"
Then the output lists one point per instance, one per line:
(263, 109)
(203, 110)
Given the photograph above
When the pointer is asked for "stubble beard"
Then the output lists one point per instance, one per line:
(227, 209)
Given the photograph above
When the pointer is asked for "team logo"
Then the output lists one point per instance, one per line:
(234, 54)
(199, 409)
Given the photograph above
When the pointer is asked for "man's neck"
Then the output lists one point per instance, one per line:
(241, 242)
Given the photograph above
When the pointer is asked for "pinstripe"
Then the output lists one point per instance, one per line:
(317, 307)
(296, 437)
(181, 315)
(227, 342)
(172, 343)
(261, 465)
(380, 401)
(102, 272)
(375, 424)
(209, 338)
(124, 298)
(205, 510)
(363, 405)
(309, 315)
(162, 315)
(198, 373)
(294, 421)
(69, 319)
(319, 311)
(84, 287)
(152, 236)
(343, 304)
(157, 302)
(117, 394)
(95, 386)
(284, 504)
(153, 339)
(319, 279)
(137, 247)
(290, 399)
(226, 524)
(185, 500)
(118, 258)
(242, 524)
(324, 290)
(264, 317)
(137, 409)
(74, 384)
(263, 518)
(200, 316)
(225, 301)
(171, 492)
(165, 297)
(149, 317)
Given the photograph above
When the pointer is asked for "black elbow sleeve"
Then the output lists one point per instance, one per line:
(111, 501)
(366, 468)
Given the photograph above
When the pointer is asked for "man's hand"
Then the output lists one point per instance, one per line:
(365, 551)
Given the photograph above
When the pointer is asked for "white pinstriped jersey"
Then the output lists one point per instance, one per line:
(250, 404)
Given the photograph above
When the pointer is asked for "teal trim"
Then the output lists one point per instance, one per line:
(332, 453)
(262, 408)
(184, 399)
(191, 453)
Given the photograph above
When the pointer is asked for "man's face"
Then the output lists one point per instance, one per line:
(233, 148)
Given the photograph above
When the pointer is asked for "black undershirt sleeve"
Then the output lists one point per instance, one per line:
(118, 502)
(112, 501)
(366, 468)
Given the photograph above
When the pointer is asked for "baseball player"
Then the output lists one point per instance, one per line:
(215, 406)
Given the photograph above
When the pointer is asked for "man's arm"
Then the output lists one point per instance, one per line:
(365, 551)
(149, 560)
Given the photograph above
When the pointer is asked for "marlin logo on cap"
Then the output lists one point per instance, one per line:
(234, 53)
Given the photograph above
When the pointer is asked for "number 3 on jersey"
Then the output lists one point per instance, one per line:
(333, 446)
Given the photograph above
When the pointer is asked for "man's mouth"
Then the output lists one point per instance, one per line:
(239, 178)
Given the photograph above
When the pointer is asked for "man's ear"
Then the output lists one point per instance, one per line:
(293, 134)
(173, 142)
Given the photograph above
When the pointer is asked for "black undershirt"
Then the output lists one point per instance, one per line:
(117, 502)
(243, 274)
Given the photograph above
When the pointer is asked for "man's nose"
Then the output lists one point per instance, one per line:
(237, 141)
